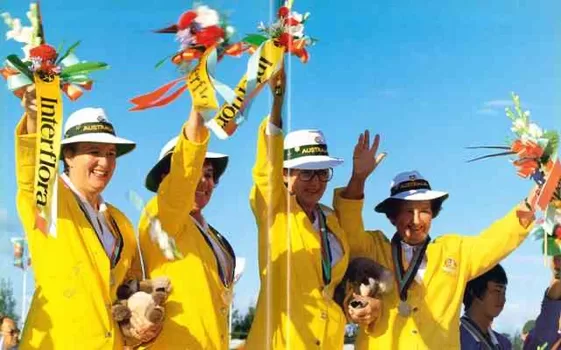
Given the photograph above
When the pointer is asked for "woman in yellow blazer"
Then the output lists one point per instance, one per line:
(78, 269)
(202, 277)
(303, 251)
(423, 312)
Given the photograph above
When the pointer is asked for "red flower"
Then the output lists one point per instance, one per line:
(209, 36)
(284, 11)
(186, 19)
(44, 52)
(526, 149)
(291, 22)
(526, 167)
(285, 39)
(557, 231)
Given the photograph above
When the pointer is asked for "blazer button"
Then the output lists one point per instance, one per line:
(323, 315)
(108, 335)
(318, 342)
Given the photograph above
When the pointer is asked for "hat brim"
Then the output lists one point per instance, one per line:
(124, 146)
(312, 162)
(154, 178)
(413, 195)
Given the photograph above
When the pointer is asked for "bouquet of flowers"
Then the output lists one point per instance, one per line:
(197, 30)
(535, 157)
(43, 59)
(287, 31)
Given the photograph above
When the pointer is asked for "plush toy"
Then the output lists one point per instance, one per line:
(142, 299)
(363, 277)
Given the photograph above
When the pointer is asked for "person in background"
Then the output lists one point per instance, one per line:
(547, 331)
(484, 300)
(9, 334)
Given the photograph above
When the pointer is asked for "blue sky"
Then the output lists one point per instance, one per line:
(431, 77)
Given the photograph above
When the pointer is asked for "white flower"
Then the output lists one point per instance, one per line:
(535, 131)
(19, 33)
(206, 16)
(26, 50)
(230, 31)
(297, 16)
(518, 125)
(525, 138)
(163, 242)
(527, 114)
(277, 26)
(296, 31)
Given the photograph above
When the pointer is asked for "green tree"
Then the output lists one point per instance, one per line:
(516, 341)
(7, 300)
(242, 323)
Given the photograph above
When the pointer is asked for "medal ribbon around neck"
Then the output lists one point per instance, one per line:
(326, 257)
(405, 278)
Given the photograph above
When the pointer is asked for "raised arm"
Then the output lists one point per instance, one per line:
(25, 148)
(176, 193)
(348, 201)
(269, 190)
(497, 241)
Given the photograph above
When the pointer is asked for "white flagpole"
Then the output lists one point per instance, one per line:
(24, 294)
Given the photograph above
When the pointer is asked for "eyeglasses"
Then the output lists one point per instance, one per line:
(323, 175)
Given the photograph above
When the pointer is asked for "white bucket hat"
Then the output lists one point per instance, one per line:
(410, 186)
(307, 149)
(91, 125)
(219, 162)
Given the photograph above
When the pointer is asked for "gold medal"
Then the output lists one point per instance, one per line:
(404, 309)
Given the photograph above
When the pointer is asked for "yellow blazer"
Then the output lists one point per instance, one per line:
(452, 260)
(74, 283)
(198, 306)
(294, 311)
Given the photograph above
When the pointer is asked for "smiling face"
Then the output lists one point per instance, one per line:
(413, 220)
(90, 166)
(307, 185)
(206, 185)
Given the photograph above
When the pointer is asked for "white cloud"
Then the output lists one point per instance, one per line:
(487, 111)
(498, 103)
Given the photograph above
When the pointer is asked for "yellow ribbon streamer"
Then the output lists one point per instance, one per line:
(200, 86)
(49, 133)
(224, 122)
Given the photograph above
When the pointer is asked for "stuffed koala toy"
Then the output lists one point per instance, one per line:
(363, 277)
(142, 299)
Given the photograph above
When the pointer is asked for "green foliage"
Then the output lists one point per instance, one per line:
(7, 300)
(241, 324)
